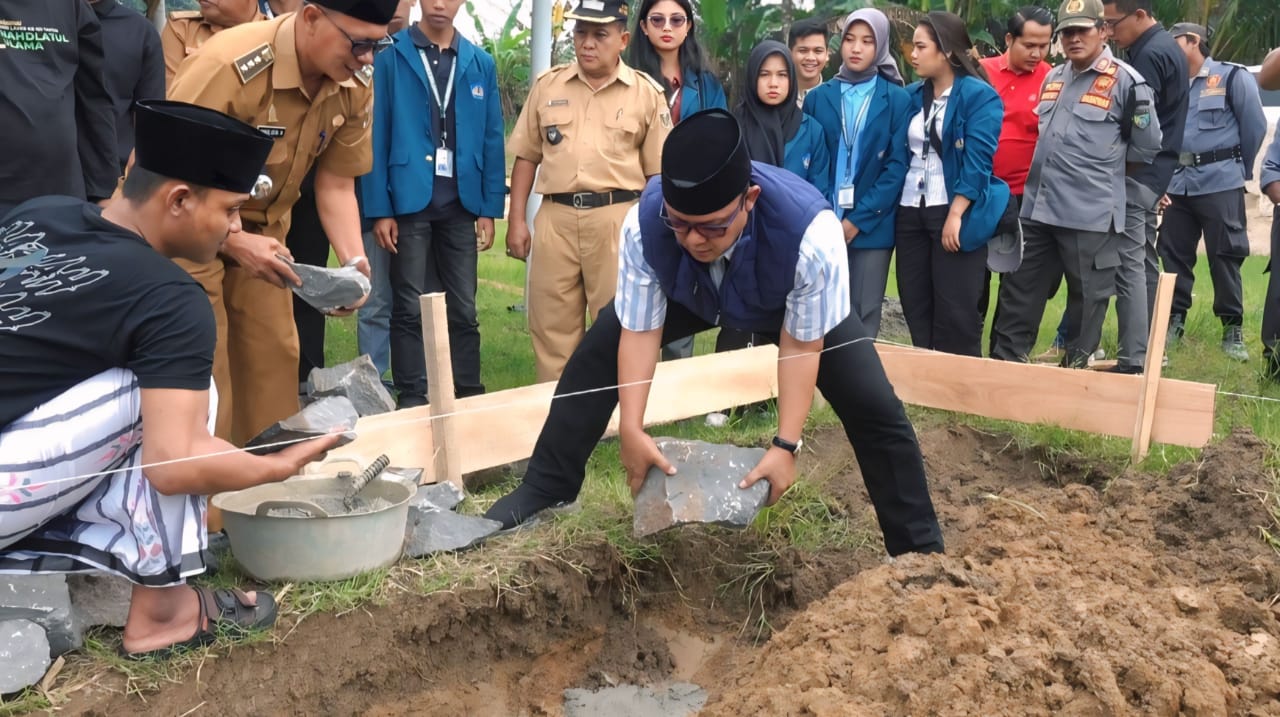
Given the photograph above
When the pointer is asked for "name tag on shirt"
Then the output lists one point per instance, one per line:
(444, 162)
(845, 197)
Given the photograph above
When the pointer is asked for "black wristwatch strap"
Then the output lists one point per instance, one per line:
(788, 446)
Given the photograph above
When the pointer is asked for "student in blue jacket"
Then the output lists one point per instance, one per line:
(665, 46)
(863, 112)
(951, 202)
(437, 184)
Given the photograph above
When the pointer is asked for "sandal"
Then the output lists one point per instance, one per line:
(222, 612)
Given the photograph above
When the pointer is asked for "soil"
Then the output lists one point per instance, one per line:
(1068, 588)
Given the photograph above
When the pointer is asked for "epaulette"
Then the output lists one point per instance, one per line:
(186, 15)
(549, 70)
(656, 85)
(251, 64)
(364, 75)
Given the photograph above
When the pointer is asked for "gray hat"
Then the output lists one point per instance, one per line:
(1004, 251)
(1189, 28)
(1079, 13)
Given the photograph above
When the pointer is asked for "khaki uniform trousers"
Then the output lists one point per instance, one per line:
(255, 364)
(573, 270)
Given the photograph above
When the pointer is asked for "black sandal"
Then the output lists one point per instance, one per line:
(222, 612)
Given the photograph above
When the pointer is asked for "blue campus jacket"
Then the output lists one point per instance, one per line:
(700, 91)
(883, 157)
(970, 133)
(806, 155)
(403, 173)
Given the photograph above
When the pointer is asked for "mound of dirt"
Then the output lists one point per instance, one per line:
(1152, 596)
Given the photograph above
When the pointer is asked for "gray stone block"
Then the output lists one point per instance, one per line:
(335, 413)
(674, 700)
(358, 380)
(438, 496)
(703, 490)
(43, 599)
(24, 655)
(330, 289)
(893, 324)
(435, 531)
(100, 599)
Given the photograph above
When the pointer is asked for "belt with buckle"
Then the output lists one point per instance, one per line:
(594, 200)
(1199, 159)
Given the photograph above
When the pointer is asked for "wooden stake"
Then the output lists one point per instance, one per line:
(435, 341)
(1151, 372)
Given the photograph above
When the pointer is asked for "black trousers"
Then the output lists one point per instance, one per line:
(851, 378)
(309, 245)
(1220, 217)
(1271, 309)
(939, 289)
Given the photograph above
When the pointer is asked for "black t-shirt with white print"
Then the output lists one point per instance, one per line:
(99, 297)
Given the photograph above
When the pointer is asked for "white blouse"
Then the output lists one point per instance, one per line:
(924, 176)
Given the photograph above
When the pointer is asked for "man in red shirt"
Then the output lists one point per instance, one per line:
(1017, 75)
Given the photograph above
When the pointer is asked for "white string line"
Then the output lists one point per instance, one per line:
(396, 423)
(410, 421)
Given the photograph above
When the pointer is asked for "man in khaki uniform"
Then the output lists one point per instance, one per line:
(187, 30)
(302, 79)
(596, 127)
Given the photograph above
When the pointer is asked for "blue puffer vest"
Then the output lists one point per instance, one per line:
(753, 294)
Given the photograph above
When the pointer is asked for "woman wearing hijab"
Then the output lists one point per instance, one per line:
(863, 112)
(775, 130)
(951, 203)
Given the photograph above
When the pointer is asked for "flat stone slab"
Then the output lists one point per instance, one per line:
(45, 600)
(437, 496)
(674, 700)
(703, 490)
(358, 380)
(438, 531)
(328, 415)
(24, 655)
(330, 289)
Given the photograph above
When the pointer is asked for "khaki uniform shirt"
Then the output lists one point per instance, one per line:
(183, 34)
(592, 140)
(251, 73)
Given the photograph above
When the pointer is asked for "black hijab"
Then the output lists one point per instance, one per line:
(767, 129)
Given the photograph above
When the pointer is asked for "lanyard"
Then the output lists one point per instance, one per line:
(938, 106)
(851, 138)
(443, 104)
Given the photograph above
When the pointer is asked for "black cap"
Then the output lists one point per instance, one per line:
(705, 164)
(198, 145)
(378, 12)
(600, 11)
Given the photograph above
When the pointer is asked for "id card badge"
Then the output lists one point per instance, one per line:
(444, 162)
(845, 197)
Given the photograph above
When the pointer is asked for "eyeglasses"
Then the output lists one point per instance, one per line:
(709, 231)
(674, 21)
(1111, 24)
(360, 47)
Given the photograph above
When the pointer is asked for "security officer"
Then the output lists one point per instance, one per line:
(303, 79)
(1224, 133)
(1269, 182)
(596, 127)
(1095, 112)
(187, 30)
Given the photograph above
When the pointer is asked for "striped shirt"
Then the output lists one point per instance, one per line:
(816, 304)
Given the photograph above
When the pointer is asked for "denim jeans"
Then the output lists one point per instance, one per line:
(373, 320)
(434, 256)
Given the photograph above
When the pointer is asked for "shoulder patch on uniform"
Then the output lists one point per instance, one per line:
(186, 15)
(252, 63)
(551, 70)
(656, 85)
(364, 75)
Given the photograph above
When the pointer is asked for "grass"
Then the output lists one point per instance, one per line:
(807, 520)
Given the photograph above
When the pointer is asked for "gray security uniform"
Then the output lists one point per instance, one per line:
(1073, 207)
(1224, 133)
(1271, 309)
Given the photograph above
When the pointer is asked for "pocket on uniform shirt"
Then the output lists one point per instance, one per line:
(1210, 112)
(556, 125)
(620, 136)
(1092, 124)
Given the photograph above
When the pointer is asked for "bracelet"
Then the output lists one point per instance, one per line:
(356, 261)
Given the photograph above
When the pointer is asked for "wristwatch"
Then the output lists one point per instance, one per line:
(788, 446)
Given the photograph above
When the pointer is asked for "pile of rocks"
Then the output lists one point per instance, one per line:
(44, 616)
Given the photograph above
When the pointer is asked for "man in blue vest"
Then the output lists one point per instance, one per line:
(438, 182)
(718, 240)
